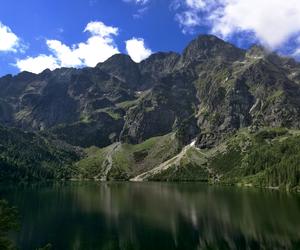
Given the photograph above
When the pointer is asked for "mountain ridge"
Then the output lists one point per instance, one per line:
(210, 92)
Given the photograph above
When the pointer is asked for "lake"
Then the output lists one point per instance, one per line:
(156, 216)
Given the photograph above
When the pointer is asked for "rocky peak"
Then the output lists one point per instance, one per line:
(117, 59)
(207, 47)
(122, 67)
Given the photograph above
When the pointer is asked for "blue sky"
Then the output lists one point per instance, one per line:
(39, 34)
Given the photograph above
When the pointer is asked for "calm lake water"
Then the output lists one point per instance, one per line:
(154, 216)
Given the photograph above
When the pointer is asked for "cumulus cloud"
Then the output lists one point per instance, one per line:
(100, 29)
(63, 54)
(272, 22)
(37, 64)
(137, 50)
(9, 41)
(99, 47)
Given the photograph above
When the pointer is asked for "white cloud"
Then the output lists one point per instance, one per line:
(192, 13)
(64, 54)
(188, 20)
(100, 29)
(137, 50)
(273, 22)
(8, 40)
(37, 64)
(195, 4)
(96, 49)
(99, 47)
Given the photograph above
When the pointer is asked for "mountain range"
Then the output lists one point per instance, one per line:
(215, 113)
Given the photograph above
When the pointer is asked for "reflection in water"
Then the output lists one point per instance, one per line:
(154, 216)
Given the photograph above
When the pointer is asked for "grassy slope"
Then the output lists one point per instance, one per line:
(187, 166)
(127, 160)
(268, 158)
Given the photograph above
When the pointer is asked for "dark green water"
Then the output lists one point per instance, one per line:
(154, 216)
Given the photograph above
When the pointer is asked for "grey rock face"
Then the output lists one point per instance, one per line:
(162, 110)
(212, 89)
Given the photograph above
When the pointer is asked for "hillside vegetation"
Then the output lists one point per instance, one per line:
(267, 158)
(28, 156)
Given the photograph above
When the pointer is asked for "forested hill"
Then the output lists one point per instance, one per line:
(28, 156)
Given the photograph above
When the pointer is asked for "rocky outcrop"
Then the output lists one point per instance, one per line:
(206, 48)
(163, 109)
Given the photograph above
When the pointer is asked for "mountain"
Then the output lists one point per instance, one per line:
(144, 116)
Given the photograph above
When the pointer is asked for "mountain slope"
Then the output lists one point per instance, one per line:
(208, 94)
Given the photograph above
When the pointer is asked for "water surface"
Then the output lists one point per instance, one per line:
(156, 216)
